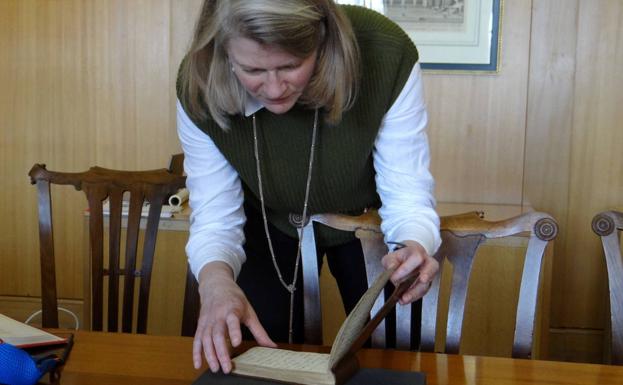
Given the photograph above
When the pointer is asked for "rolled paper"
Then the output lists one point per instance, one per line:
(179, 198)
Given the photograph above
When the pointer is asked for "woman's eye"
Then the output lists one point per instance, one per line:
(253, 71)
(291, 67)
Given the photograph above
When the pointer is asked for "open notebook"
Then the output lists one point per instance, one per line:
(23, 335)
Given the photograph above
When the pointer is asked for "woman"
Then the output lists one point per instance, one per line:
(297, 107)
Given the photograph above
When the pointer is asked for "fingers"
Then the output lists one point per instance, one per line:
(233, 328)
(220, 338)
(410, 263)
(217, 344)
(202, 346)
(218, 328)
(258, 331)
(428, 270)
(203, 339)
(407, 259)
(214, 342)
(197, 345)
(415, 292)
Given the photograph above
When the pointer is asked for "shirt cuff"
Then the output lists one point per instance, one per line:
(233, 260)
(430, 240)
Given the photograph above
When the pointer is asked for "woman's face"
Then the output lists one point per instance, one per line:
(274, 77)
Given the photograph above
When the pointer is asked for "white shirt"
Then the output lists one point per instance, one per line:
(401, 160)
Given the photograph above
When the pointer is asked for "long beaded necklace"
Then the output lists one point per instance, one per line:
(291, 288)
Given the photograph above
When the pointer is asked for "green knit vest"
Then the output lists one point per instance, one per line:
(343, 173)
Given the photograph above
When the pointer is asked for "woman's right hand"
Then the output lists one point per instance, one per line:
(223, 308)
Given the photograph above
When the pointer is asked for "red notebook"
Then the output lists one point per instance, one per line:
(25, 336)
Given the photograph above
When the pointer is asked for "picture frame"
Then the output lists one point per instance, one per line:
(450, 35)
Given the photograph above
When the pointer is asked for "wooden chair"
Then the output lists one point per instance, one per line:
(608, 225)
(176, 164)
(192, 301)
(99, 184)
(461, 237)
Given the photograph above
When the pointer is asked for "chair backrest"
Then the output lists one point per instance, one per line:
(608, 225)
(461, 237)
(100, 185)
(176, 164)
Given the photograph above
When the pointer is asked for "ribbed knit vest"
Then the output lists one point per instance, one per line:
(343, 173)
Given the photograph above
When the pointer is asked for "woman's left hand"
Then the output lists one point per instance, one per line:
(407, 259)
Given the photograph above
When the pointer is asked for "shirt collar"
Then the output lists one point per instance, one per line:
(252, 106)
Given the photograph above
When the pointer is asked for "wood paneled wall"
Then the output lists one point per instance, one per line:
(574, 162)
(92, 82)
(478, 122)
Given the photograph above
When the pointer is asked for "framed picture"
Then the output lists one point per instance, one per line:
(451, 35)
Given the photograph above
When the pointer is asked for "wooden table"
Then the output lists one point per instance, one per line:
(120, 359)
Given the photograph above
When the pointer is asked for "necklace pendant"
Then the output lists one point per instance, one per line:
(296, 220)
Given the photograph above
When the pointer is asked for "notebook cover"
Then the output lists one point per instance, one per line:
(365, 376)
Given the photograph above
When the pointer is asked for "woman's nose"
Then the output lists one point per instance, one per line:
(274, 86)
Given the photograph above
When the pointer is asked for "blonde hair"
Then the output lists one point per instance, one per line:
(299, 27)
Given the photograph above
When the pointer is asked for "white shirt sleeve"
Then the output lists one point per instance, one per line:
(401, 160)
(216, 198)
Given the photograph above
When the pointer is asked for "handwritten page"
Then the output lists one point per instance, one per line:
(284, 359)
(357, 318)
